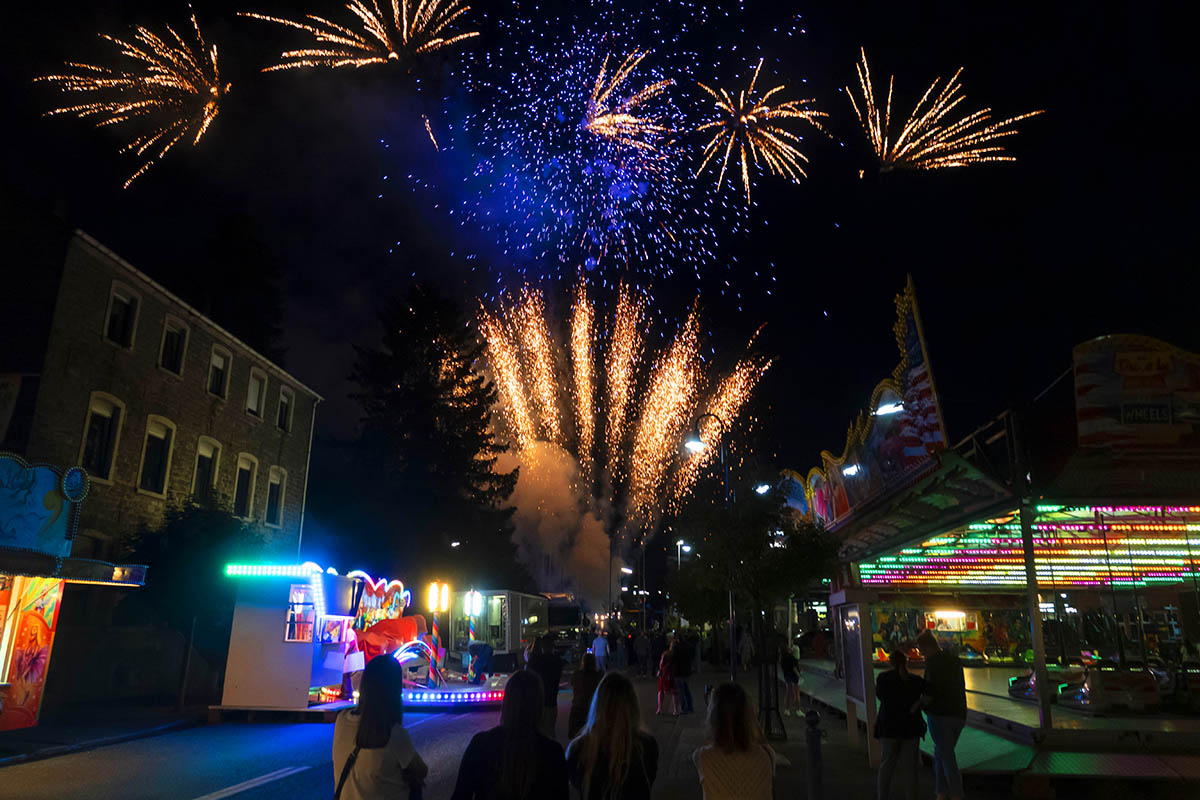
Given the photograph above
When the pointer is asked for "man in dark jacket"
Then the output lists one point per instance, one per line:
(682, 664)
(946, 710)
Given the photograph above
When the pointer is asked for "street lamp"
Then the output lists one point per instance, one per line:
(627, 570)
(679, 545)
(762, 488)
(695, 444)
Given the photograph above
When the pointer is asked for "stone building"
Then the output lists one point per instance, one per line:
(156, 401)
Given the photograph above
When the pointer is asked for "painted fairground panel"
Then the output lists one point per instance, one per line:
(29, 625)
(792, 486)
(898, 436)
(34, 513)
(1137, 392)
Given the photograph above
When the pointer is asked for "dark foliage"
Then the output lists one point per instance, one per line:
(426, 457)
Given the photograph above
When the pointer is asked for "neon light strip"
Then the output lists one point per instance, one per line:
(442, 698)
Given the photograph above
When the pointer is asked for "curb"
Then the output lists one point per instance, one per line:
(91, 744)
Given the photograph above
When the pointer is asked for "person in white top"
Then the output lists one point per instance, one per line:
(373, 756)
(600, 651)
(738, 765)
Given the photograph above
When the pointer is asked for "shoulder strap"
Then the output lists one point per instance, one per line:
(346, 772)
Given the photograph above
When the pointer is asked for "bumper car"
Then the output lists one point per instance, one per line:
(1024, 687)
(970, 657)
(1106, 686)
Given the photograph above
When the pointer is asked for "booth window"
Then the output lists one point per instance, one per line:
(121, 322)
(100, 434)
(276, 483)
(283, 418)
(301, 614)
(174, 345)
(156, 455)
(256, 392)
(208, 461)
(218, 371)
(243, 496)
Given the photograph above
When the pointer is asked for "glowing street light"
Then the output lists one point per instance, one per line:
(693, 443)
(762, 488)
(627, 570)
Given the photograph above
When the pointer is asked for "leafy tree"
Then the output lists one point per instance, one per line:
(427, 441)
(186, 556)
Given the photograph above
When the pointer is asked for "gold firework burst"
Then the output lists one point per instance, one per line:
(751, 123)
(623, 354)
(170, 86)
(505, 362)
(931, 137)
(382, 37)
(532, 332)
(622, 121)
(582, 321)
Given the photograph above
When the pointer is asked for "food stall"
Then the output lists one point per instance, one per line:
(39, 517)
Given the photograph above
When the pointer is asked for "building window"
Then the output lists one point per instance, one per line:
(121, 321)
(156, 455)
(219, 367)
(243, 493)
(208, 461)
(256, 392)
(101, 431)
(174, 346)
(276, 487)
(287, 400)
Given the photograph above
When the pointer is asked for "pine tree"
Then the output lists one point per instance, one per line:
(427, 438)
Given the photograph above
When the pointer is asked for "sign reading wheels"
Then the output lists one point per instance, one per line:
(1137, 392)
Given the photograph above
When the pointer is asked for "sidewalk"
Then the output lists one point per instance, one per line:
(87, 728)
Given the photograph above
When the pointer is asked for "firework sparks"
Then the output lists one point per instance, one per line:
(726, 403)
(506, 370)
(751, 124)
(643, 472)
(621, 122)
(931, 137)
(429, 130)
(665, 414)
(582, 322)
(171, 86)
(623, 353)
(383, 37)
(533, 332)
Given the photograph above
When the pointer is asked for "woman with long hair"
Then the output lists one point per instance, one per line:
(583, 689)
(513, 761)
(898, 726)
(738, 764)
(373, 756)
(666, 680)
(613, 758)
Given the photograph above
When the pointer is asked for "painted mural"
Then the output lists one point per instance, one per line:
(1137, 392)
(34, 513)
(35, 612)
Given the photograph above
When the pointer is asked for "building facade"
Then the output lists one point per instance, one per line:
(156, 401)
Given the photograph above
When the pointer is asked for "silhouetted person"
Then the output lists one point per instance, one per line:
(738, 764)
(583, 688)
(641, 649)
(513, 761)
(613, 758)
(373, 756)
(946, 709)
(681, 663)
(600, 650)
(546, 663)
(899, 726)
(666, 681)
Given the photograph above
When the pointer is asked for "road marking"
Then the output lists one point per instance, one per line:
(253, 782)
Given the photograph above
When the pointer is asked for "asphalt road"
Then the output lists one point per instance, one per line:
(247, 761)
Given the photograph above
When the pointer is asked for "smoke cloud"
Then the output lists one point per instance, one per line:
(560, 532)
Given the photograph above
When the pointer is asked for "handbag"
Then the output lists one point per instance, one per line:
(337, 793)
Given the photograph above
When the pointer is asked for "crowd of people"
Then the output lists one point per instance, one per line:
(609, 756)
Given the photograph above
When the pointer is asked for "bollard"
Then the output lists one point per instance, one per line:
(812, 737)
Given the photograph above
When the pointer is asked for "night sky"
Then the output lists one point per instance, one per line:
(1092, 231)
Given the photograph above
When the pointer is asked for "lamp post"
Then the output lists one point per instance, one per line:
(696, 444)
(436, 599)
